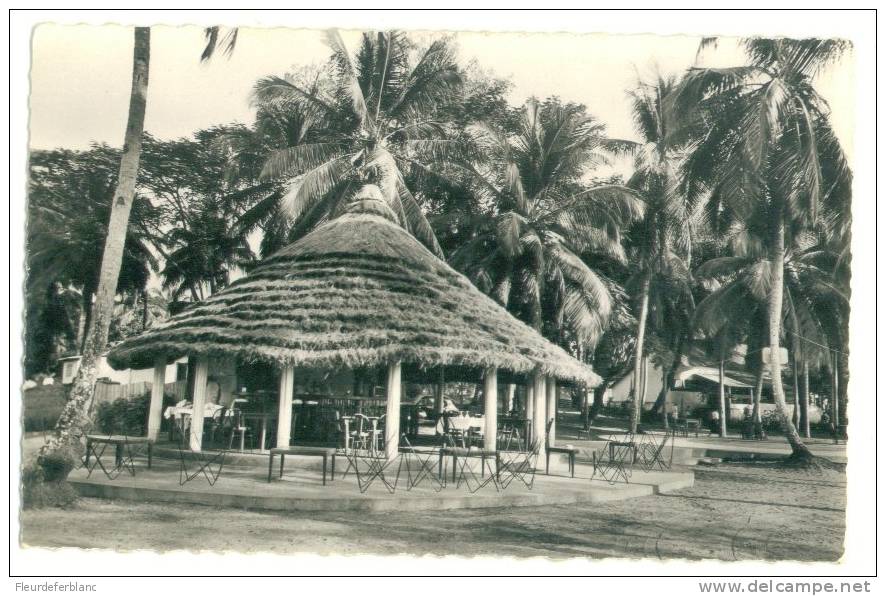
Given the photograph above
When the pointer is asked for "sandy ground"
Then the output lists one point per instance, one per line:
(734, 511)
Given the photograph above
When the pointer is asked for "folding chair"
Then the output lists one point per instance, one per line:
(468, 475)
(462, 469)
(369, 466)
(355, 438)
(123, 457)
(424, 459)
(652, 452)
(195, 463)
(517, 465)
(608, 462)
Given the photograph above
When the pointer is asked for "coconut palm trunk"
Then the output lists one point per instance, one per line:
(638, 355)
(74, 419)
(804, 402)
(722, 398)
(835, 401)
(757, 415)
(776, 300)
(794, 363)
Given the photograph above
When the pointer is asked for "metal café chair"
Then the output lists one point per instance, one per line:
(377, 433)
(651, 452)
(463, 471)
(234, 427)
(423, 459)
(215, 426)
(518, 465)
(609, 461)
(124, 458)
(194, 463)
(370, 465)
(355, 437)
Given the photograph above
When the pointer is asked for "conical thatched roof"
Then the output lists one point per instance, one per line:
(357, 291)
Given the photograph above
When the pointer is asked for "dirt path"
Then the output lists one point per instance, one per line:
(732, 512)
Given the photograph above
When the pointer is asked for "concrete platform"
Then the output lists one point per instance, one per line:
(689, 450)
(300, 489)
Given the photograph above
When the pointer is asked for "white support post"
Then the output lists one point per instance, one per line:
(509, 400)
(201, 373)
(528, 406)
(490, 408)
(539, 419)
(284, 415)
(392, 412)
(552, 406)
(438, 393)
(155, 410)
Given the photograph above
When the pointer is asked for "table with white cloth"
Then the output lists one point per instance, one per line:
(181, 414)
(462, 423)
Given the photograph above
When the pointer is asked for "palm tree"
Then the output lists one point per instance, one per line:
(770, 150)
(368, 120)
(811, 300)
(531, 252)
(209, 206)
(202, 255)
(660, 276)
(74, 418)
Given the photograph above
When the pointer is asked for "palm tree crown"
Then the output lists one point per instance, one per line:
(530, 255)
(362, 125)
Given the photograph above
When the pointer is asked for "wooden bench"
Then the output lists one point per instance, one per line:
(324, 452)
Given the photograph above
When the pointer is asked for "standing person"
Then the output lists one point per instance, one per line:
(715, 422)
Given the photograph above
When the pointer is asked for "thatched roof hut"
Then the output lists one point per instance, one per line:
(357, 291)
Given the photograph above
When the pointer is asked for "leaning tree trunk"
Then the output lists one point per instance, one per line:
(663, 396)
(796, 413)
(722, 398)
(84, 318)
(757, 415)
(796, 356)
(804, 402)
(843, 384)
(74, 419)
(668, 378)
(644, 383)
(835, 401)
(638, 355)
(776, 299)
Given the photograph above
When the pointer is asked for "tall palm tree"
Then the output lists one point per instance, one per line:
(532, 253)
(769, 151)
(379, 107)
(808, 320)
(657, 242)
(74, 418)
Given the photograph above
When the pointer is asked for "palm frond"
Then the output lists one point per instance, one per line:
(299, 159)
(308, 189)
(350, 85)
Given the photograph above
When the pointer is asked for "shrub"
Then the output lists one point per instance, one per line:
(127, 416)
(123, 416)
(44, 480)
